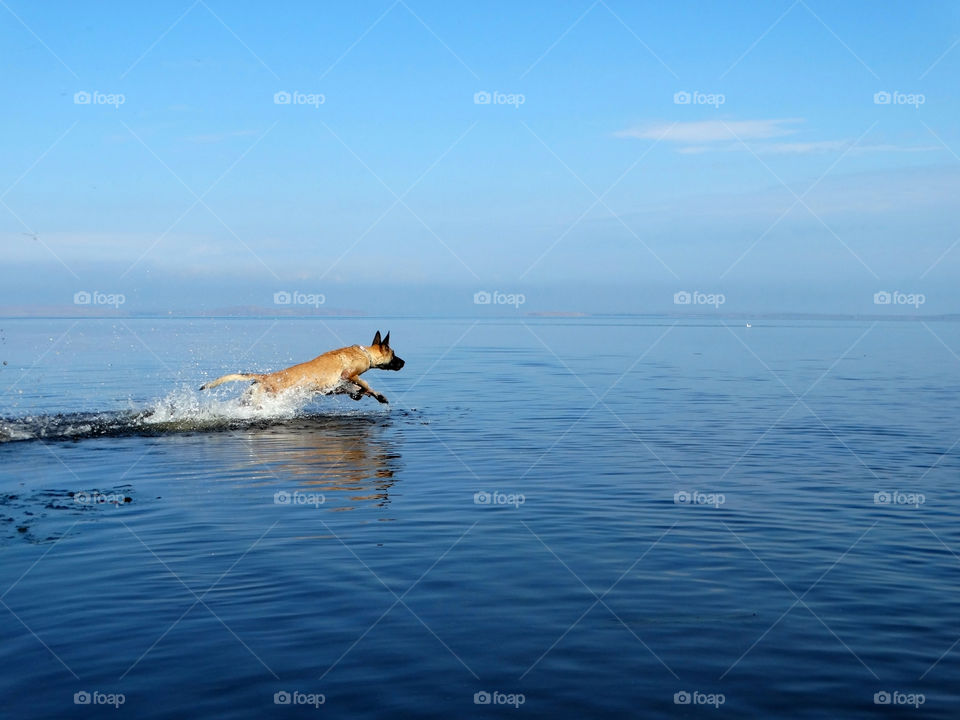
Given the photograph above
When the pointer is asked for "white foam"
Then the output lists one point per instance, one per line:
(188, 405)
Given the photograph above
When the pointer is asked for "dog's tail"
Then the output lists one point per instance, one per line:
(232, 377)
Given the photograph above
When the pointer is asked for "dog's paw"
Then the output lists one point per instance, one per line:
(382, 399)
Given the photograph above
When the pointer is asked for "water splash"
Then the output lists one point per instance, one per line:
(187, 406)
(182, 410)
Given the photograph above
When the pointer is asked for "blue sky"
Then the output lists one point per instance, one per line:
(586, 184)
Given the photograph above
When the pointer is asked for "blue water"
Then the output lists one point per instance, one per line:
(195, 556)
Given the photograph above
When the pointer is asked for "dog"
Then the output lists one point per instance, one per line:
(334, 372)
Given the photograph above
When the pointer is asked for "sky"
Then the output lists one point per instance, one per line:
(401, 157)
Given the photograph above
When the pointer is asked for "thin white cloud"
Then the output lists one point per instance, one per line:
(705, 136)
(805, 148)
(708, 131)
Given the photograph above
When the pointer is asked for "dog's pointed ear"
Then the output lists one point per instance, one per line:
(376, 339)
(386, 340)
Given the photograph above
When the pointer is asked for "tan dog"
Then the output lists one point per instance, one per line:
(337, 371)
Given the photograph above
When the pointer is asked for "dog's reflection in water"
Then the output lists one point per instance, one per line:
(351, 455)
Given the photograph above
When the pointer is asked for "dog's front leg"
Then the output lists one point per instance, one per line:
(367, 390)
(347, 387)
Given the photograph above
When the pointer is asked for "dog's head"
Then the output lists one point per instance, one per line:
(382, 354)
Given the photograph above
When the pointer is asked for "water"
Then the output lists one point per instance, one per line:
(198, 556)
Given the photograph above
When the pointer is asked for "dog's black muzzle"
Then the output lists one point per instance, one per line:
(395, 364)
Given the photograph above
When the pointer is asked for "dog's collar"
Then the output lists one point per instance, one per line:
(366, 352)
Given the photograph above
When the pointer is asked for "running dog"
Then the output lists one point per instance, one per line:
(334, 372)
